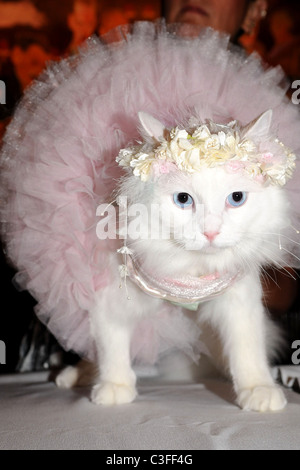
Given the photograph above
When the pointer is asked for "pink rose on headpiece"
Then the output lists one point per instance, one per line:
(234, 166)
(162, 167)
(260, 179)
(267, 157)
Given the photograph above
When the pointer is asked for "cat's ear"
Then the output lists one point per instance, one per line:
(151, 126)
(260, 127)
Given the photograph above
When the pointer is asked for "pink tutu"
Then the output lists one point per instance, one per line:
(58, 159)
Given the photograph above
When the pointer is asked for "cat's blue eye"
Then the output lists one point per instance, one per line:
(183, 200)
(236, 199)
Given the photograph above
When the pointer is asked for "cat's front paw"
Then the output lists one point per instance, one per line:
(262, 398)
(109, 393)
(67, 378)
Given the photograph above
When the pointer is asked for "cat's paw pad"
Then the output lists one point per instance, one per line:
(262, 398)
(109, 393)
(67, 378)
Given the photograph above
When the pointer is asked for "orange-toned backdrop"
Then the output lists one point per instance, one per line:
(33, 32)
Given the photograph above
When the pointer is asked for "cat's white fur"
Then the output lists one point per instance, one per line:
(247, 239)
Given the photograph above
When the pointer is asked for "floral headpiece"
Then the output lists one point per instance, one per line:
(211, 145)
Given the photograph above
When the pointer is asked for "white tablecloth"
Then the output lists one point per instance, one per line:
(35, 414)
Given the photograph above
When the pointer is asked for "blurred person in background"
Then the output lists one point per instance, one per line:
(24, 12)
(233, 17)
(82, 22)
(286, 42)
(30, 54)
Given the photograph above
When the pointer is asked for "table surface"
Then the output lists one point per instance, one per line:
(35, 414)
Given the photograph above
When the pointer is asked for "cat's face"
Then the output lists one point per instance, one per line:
(208, 199)
(213, 219)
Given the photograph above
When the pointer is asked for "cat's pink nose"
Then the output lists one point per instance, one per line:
(211, 235)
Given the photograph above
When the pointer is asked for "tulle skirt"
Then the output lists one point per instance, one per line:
(58, 160)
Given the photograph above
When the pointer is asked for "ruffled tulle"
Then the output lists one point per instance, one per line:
(58, 159)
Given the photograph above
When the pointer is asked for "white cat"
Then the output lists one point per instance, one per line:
(218, 209)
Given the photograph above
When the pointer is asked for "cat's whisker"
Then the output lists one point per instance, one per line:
(265, 237)
(275, 234)
(290, 253)
(281, 266)
(264, 250)
(245, 262)
(296, 230)
(267, 276)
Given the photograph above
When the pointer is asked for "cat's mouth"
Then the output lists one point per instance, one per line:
(187, 291)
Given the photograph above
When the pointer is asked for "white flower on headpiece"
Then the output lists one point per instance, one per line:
(142, 165)
(222, 138)
(201, 133)
(191, 161)
(247, 146)
(125, 156)
(281, 172)
(212, 143)
(163, 152)
(253, 170)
